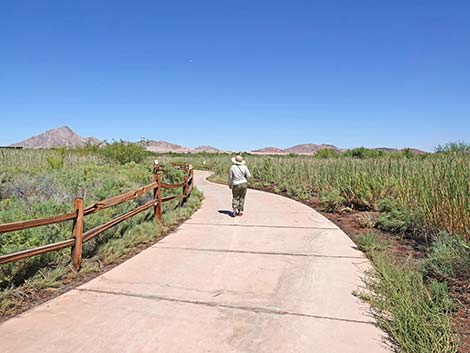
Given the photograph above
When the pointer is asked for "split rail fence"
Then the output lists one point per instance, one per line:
(79, 237)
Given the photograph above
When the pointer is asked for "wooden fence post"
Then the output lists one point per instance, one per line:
(78, 234)
(157, 195)
(185, 190)
(191, 182)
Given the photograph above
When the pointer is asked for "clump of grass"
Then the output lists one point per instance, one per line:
(118, 247)
(367, 220)
(47, 278)
(370, 242)
(57, 162)
(415, 315)
(332, 201)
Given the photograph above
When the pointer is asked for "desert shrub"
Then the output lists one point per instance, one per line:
(367, 220)
(123, 152)
(362, 152)
(294, 191)
(326, 153)
(57, 161)
(392, 218)
(448, 259)
(332, 201)
(453, 147)
(440, 297)
(407, 153)
(368, 242)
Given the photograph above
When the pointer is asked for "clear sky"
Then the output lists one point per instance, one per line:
(238, 74)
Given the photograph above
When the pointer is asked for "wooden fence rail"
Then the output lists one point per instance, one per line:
(79, 237)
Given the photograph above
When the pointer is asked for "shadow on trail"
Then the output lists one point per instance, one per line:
(227, 212)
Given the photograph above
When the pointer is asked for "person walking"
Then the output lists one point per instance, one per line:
(238, 183)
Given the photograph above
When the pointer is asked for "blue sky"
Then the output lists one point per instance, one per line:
(238, 74)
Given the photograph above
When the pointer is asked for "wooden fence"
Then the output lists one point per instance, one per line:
(80, 212)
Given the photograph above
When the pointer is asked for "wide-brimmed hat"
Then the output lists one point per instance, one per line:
(238, 160)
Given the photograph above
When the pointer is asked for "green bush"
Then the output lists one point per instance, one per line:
(392, 218)
(332, 201)
(448, 259)
(453, 147)
(57, 161)
(326, 153)
(368, 242)
(362, 153)
(124, 152)
(440, 296)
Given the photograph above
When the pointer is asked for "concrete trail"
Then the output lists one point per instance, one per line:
(278, 279)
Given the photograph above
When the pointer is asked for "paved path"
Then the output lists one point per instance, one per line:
(278, 279)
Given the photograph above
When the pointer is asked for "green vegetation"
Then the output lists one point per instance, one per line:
(430, 193)
(448, 260)
(411, 304)
(415, 313)
(37, 184)
(370, 242)
(423, 197)
(453, 147)
(410, 301)
(119, 151)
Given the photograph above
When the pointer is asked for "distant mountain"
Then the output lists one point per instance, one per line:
(208, 149)
(165, 147)
(66, 137)
(59, 137)
(269, 150)
(308, 148)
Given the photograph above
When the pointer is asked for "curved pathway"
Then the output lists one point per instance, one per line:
(278, 279)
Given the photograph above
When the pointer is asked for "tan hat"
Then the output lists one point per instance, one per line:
(238, 160)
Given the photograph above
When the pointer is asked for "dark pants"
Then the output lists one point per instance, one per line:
(239, 193)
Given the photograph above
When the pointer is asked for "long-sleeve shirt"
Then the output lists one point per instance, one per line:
(238, 174)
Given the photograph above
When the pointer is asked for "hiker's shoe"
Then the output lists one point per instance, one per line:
(234, 212)
(240, 213)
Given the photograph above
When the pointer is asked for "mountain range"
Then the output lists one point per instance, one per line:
(64, 136)
(59, 137)
(307, 148)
